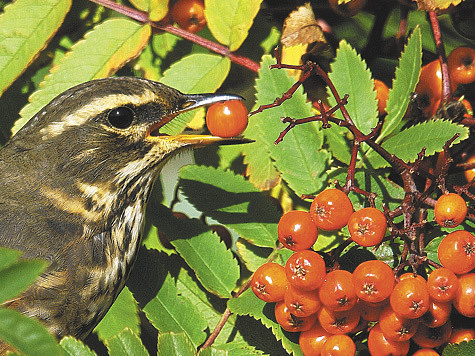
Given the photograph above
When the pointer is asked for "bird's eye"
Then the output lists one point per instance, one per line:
(121, 117)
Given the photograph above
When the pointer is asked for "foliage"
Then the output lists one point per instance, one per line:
(186, 289)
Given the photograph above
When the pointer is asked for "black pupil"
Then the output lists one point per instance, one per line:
(121, 117)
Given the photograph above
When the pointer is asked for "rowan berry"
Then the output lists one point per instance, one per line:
(227, 119)
(338, 345)
(331, 209)
(450, 210)
(297, 231)
(269, 282)
(367, 226)
(305, 270)
(373, 280)
(464, 301)
(189, 15)
(461, 63)
(410, 298)
(379, 345)
(456, 252)
(382, 94)
(442, 284)
(338, 291)
(290, 322)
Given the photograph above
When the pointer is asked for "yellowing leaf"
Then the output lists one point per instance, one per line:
(432, 5)
(230, 21)
(300, 27)
(113, 43)
(26, 27)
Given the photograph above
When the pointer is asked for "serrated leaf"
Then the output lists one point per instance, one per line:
(461, 349)
(173, 344)
(114, 42)
(27, 335)
(230, 21)
(25, 29)
(232, 201)
(351, 76)
(74, 347)
(407, 76)
(188, 77)
(203, 302)
(231, 349)
(259, 166)
(299, 157)
(205, 254)
(407, 144)
(122, 314)
(251, 255)
(248, 304)
(168, 311)
(18, 276)
(126, 343)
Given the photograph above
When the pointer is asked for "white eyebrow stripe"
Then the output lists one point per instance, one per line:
(80, 116)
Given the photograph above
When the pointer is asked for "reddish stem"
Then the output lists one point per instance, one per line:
(446, 87)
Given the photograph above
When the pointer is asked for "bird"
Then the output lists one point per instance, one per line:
(74, 184)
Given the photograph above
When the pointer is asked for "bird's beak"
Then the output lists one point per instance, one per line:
(193, 101)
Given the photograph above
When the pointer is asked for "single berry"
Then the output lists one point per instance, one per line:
(456, 252)
(367, 226)
(450, 210)
(189, 15)
(227, 119)
(297, 231)
(269, 282)
(331, 209)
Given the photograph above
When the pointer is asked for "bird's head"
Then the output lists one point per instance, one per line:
(109, 130)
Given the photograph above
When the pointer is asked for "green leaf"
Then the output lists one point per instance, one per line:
(248, 304)
(204, 253)
(407, 76)
(251, 255)
(74, 347)
(8, 257)
(207, 306)
(461, 349)
(231, 349)
(126, 343)
(173, 344)
(351, 76)
(299, 157)
(169, 311)
(232, 201)
(337, 144)
(188, 77)
(230, 21)
(122, 314)
(27, 335)
(386, 190)
(18, 276)
(25, 28)
(114, 42)
(407, 144)
(260, 167)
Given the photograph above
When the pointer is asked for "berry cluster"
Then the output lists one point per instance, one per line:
(327, 304)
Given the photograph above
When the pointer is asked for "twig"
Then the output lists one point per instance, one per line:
(142, 17)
